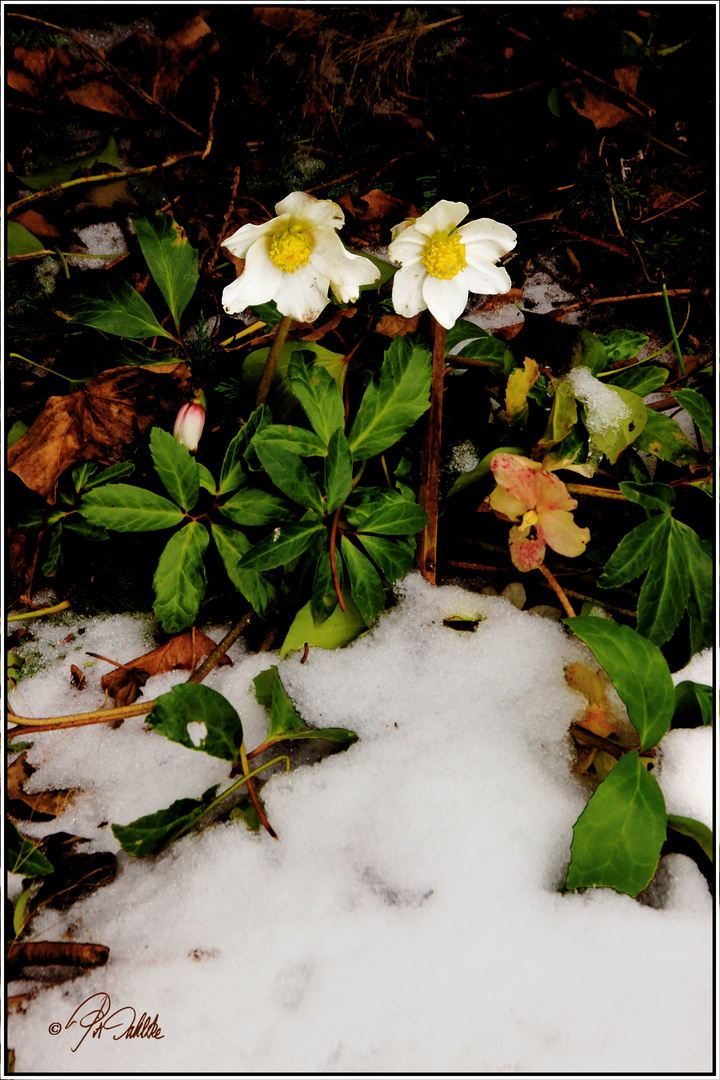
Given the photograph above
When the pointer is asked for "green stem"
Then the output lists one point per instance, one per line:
(242, 333)
(47, 370)
(645, 359)
(676, 343)
(600, 493)
(272, 358)
(36, 614)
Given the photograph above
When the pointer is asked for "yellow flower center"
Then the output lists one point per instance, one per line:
(529, 521)
(444, 256)
(290, 248)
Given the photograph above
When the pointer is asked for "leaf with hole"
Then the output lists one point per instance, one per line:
(198, 718)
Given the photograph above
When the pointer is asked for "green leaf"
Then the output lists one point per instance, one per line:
(337, 630)
(650, 496)
(87, 475)
(125, 508)
(59, 172)
(288, 473)
(16, 432)
(22, 856)
(611, 439)
(493, 351)
(640, 379)
(695, 830)
(176, 467)
(286, 543)
(253, 506)
(699, 409)
(338, 470)
(665, 439)
(394, 557)
(281, 396)
(115, 307)
(151, 834)
(637, 670)
(391, 515)
(20, 241)
(323, 600)
(464, 331)
(694, 705)
(387, 270)
(171, 259)
(232, 545)
(270, 692)
(318, 393)
(53, 559)
(200, 719)
(267, 313)
(622, 345)
(180, 580)
(206, 479)
(84, 529)
(618, 838)
(701, 589)
(394, 400)
(563, 415)
(365, 584)
(234, 471)
(293, 439)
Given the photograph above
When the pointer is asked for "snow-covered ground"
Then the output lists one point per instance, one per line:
(408, 919)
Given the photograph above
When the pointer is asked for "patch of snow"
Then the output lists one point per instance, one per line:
(408, 919)
(604, 408)
(106, 240)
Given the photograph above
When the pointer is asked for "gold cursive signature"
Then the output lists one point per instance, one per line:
(97, 1018)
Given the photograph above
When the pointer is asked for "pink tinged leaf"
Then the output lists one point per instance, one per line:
(526, 554)
(518, 475)
(562, 534)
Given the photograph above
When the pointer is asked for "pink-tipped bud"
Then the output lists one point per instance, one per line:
(189, 424)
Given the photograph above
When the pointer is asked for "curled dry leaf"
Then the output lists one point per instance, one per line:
(184, 651)
(100, 422)
(397, 325)
(40, 805)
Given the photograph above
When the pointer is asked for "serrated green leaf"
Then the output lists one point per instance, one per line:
(115, 307)
(180, 579)
(640, 379)
(125, 508)
(337, 630)
(696, 831)
(338, 471)
(622, 345)
(394, 557)
(253, 506)
(151, 834)
(199, 719)
(637, 670)
(22, 856)
(291, 438)
(635, 552)
(390, 515)
(618, 838)
(20, 241)
(206, 479)
(694, 705)
(463, 330)
(176, 468)
(318, 393)
(232, 545)
(394, 400)
(171, 259)
(323, 600)
(649, 496)
(286, 543)
(281, 397)
(88, 475)
(84, 529)
(234, 471)
(365, 584)
(53, 558)
(701, 588)
(699, 409)
(288, 473)
(665, 439)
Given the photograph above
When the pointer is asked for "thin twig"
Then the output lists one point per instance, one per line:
(219, 651)
(621, 299)
(598, 492)
(557, 589)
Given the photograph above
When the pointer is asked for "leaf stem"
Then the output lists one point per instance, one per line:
(557, 590)
(62, 606)
(676, 343)
(219, 651)
(253, 794)
(430, 459)
(598, 492)
(47, 370)
(242, 333)
(272, 358)
(333, 564)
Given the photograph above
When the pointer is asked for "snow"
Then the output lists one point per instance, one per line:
(604, 408)
(408, 918)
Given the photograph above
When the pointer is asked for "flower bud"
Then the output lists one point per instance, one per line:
(190, 422)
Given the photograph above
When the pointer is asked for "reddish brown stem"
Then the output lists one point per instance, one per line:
(430, 460)
(557, 590)
(333, 565)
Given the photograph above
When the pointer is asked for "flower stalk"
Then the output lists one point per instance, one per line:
(272, 358)
(430, 460)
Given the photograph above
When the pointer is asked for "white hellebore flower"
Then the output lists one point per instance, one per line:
(294, 259)
(442, 261)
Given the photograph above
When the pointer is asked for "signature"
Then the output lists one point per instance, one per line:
(95, 1017)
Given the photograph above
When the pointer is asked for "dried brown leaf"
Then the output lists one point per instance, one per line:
(183, 651)
(185, 51)
(101, 96)
(594, 106)
(397, 325)
(45, 804)
(100, 422)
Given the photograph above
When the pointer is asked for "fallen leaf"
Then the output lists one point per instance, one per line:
(76, 874)
(100, 422)
(627, 78)
(397, 325)
(37, 224)
(101, 96)
(380, 205)
(183, 651)
(594, 106)
(40, 805)
(288, 20)
(184, 52)
(335, 320)
(77, 677)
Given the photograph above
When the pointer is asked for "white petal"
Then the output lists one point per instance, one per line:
(407, 296)
(487, 229)
(343, 269)
(318, 212)
(303, 295)
(258, 282)
(240, 241)
(408, 248)
(486, 279)
(442, 217)
(446, 299)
